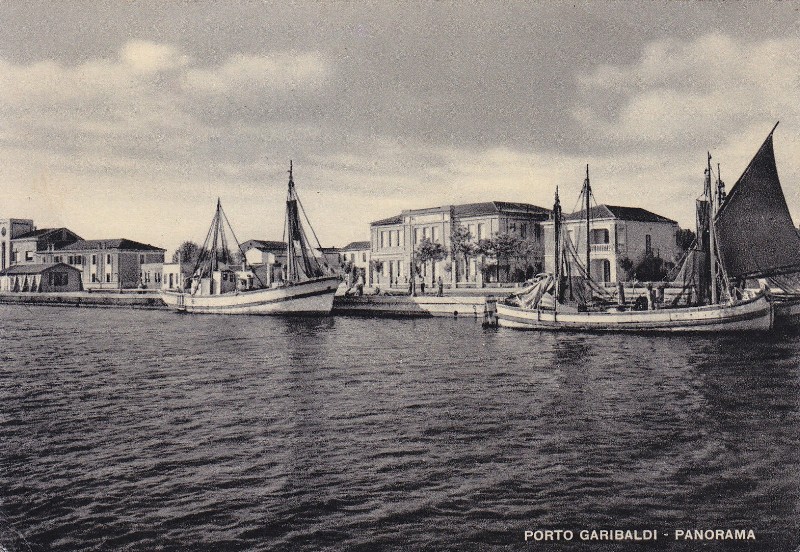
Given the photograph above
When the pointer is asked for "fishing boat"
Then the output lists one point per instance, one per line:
(716, 302)
(217, 288)
(758, 240)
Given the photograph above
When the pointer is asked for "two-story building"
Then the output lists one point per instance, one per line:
(358, 255)
(615, 233)
(11, 228)
(107, 264)
(395, 240)
(26, 248)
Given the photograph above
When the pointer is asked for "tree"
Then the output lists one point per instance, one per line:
(627, 267)
(187, 253)
(461, 246)
(651, 269)
(428, 250)
(501, 247)
(685, 238)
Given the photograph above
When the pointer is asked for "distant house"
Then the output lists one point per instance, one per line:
(358, 255)
(107, 264)
(615, 233)
(268, 259)
(27, 248)
(42, 278)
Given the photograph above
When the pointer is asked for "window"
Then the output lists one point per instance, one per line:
(141, 259)
(94, 277)
(416, 236)
(108, 259)
(434, 234)
(648, 245)
(58, 279)
(383, 239)
(108, 277)
(481, 231)
(94, 259)
(29, 255)
(363, 257)
(398, 238)
(537, 231)
(523, 230)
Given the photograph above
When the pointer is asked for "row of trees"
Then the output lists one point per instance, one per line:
(518, 257)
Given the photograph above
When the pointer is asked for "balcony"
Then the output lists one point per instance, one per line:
(602, 248)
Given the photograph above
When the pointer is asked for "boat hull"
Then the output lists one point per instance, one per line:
(752, 315)
(787, 310)
(314, 297)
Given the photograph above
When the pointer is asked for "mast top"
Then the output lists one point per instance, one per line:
(291, 180)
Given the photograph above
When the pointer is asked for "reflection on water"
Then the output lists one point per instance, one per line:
(149, 430)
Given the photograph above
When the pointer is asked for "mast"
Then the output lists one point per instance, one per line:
(711, 241)
(587, 190)
(557, 250)
(290, 259)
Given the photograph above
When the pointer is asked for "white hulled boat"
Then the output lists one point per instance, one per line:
(721, 306)
(217, 289)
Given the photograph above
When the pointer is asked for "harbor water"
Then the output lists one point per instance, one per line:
(150, 430)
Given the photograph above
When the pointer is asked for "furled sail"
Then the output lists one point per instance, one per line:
(756, 236)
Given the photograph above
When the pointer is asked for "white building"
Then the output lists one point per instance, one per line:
(615, 233)
(10, 229)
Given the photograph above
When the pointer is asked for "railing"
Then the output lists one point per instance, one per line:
(602, 247)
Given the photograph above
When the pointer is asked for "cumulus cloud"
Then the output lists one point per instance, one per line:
(148, 57)
(705, 89)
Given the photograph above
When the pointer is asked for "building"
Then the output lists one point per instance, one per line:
(268, 259)
(394, 241)
(25, 247)
(615, 234)
(358, 255)
(40, 278)
(9, 229)
(107, 264)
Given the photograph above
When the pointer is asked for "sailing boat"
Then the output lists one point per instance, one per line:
(758, 240)
(542, 306)
(216, 288)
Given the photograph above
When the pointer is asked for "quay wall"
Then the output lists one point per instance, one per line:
(145, 300)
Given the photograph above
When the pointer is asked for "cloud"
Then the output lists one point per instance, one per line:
(703, 90)
(282, 71)
(148, 57)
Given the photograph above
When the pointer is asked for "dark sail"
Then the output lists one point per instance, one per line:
(756, 236)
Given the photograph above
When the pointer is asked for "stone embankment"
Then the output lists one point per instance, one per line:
(137, 300)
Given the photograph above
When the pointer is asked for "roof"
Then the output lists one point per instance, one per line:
(56, 237)
(496, 207)
(34, 233)
(475, 210)
(122, 243)
(397, 219)
(633, 214)
(357, 245)
(264, 245)
(34, 268)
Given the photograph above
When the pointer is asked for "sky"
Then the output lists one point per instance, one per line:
(129, 119)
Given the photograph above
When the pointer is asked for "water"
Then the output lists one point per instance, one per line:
(148, 430)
